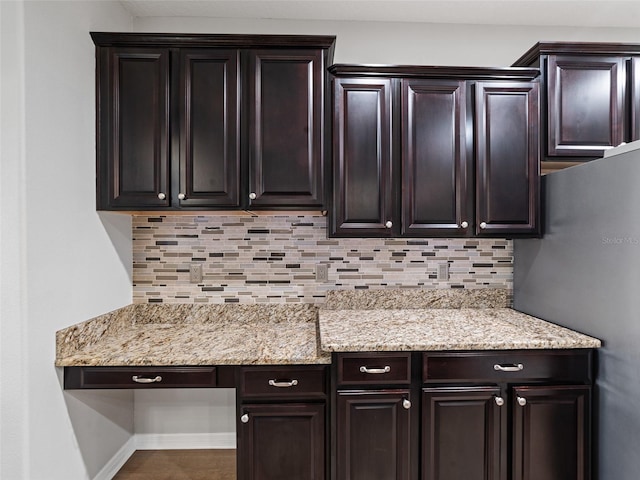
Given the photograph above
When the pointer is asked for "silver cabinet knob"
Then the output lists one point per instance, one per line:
(464, 224)
(181, 196)
(522, 401)
(483, 224)
(406, 404)
(162, 196)
(252, 196)
(389, 224)
(244, 418)
(499, 401)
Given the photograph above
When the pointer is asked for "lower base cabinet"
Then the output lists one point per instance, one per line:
(461, 433)
(373, 435)
(282, 442)
(513, 415)
(551, 432)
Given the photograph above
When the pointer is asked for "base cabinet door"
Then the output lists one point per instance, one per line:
(461, 431)
(551, 434)
(282, 442)
(373, 435)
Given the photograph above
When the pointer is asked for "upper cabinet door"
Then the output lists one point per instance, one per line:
(635, 98)
(209, 129)
(507, 158)
(286, 99)
(586, 104)
(436, 194)
(133, 137)
(362, 176)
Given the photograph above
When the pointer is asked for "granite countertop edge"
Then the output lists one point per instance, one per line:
(298, 334)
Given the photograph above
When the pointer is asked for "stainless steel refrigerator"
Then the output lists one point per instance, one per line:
(585, 274)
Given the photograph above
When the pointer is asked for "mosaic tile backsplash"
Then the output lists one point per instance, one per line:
(260, 259)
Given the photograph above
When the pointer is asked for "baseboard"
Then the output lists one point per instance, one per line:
(170, 441)
(117, 461)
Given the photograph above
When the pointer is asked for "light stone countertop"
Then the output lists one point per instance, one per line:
(162, 335)
(442, 329)
(255, 334)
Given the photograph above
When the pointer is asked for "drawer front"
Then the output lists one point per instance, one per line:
(140, 377)
(374, 369)
(286, 382)
(507, 366)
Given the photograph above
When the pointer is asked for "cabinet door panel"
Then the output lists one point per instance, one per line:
(286, 127)
(635, 98)
(436, 173)
(373, 435)
(551, 433)
(585, 105)
(134, 123)
(362, 202)
(507, 159)
(282, 442)
(209, 128)
(461, 433)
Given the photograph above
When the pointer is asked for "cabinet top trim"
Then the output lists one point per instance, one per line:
(432, 71)
(110, 39)
(578, 48)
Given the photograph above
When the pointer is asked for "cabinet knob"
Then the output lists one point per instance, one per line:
(162, 196)
(522, 401)
(181, 196)
(389, 224)
(406, 403)
(252, 196)
(464, 224)
(245, 418)
(499, 401)
(483, 225)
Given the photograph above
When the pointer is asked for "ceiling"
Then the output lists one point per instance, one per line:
(580, 13)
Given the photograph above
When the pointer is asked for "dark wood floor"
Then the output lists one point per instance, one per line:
(179, 465)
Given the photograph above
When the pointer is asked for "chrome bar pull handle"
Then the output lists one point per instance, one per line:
(283, 383)
(514, 367)
(138, 379)
(377, 370)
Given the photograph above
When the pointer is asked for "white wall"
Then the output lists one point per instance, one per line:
(62, 263)
(403, 43)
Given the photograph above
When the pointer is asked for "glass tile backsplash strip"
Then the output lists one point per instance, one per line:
(259, 259)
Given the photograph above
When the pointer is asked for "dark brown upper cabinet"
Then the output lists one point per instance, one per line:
(362, 169)
(436, 169)
(133, 104)
(590, 97)
(210, 122)
(404, 162)
(507, 158)
(286, 132)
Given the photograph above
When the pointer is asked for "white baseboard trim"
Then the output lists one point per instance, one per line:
(169, 441)
(117, 461)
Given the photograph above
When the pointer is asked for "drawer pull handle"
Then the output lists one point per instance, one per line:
(406, 403)
(138, 379)
(499, 401)
(385, 369)
(283, 384)
(508, 368)
(522, 401)
(244, 418)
